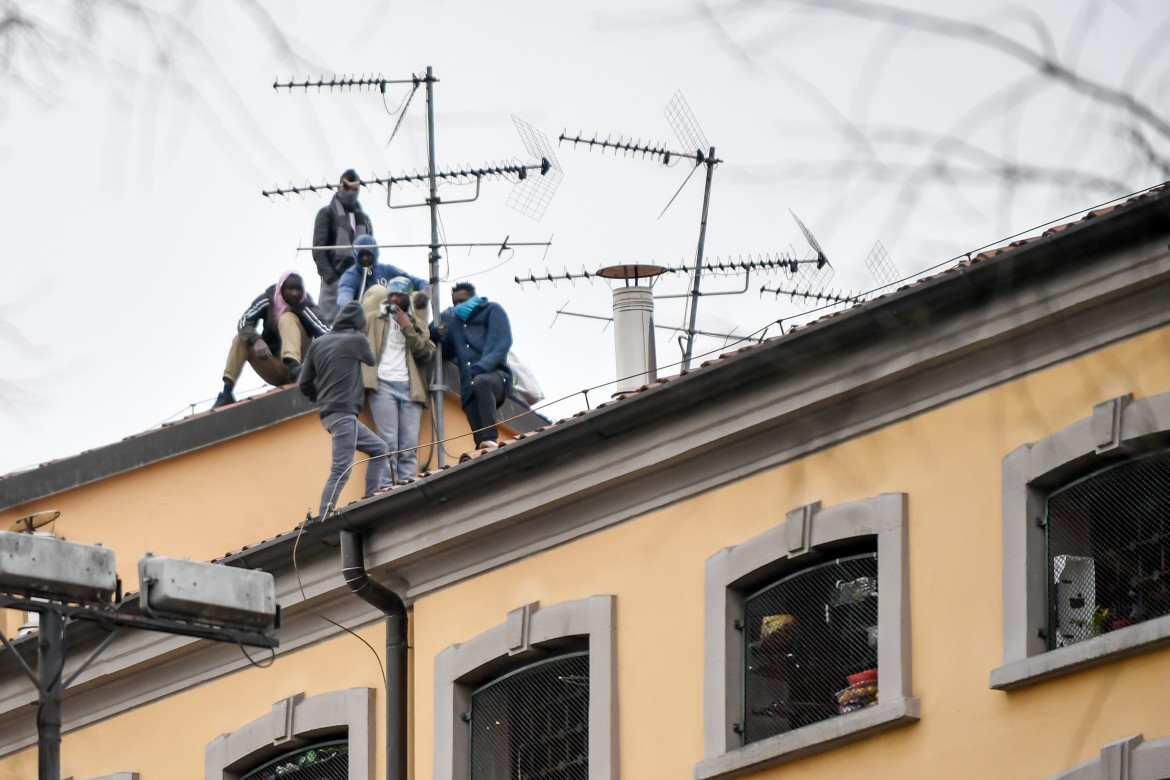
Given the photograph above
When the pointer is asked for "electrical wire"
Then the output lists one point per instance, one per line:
(305, 600)
(506, 260)
(255, 663)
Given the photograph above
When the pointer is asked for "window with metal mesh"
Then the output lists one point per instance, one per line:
(533, 723)
(1109, 550)
(323, 761)
(810, 647)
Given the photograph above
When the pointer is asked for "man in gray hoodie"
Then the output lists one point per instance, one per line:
(332, 377)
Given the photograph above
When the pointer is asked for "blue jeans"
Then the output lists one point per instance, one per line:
(398, 419)
(350, 434)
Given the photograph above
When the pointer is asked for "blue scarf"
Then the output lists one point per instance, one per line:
(464, 310)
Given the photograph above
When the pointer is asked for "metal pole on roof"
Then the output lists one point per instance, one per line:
(437, 380)
(50, 668)
(710, 163)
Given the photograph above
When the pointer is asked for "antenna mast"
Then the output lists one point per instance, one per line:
(437, 379)
(530, 195)
(689, 134)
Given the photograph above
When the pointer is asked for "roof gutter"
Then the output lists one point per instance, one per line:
(353, 570)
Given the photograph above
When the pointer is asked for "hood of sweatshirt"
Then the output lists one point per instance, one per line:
(350, 317)
(365, 243)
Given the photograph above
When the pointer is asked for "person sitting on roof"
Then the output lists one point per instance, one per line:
(476, 337)
(332, 379)
(368, 277)
(397, 385)
(290, 320)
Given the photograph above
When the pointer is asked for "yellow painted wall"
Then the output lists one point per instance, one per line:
(948, 461)
(207, 503)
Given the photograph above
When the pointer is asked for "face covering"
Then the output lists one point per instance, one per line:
(464, 310)
(348, 199)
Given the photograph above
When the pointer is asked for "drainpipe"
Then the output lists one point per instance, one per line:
(353, 569)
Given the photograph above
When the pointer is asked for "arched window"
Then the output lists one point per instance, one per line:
(801, 654)
(535, 696)
(533, 722)
(810, 644)
(325, 737)
(1086, 570)
(1108, 539)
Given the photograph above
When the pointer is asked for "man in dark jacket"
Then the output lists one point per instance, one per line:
(477, 336)
(290, 319)
(338, 224)
(332, 378)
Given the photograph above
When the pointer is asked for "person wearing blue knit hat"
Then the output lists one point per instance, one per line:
(369, 277)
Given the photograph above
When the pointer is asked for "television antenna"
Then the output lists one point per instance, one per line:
(690, 136)
(530, 194)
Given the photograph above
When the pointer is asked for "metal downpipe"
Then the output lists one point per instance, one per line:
(353, 570)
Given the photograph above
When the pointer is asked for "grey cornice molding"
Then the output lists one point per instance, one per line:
(913, 351)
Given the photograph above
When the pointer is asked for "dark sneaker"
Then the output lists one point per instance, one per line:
(224, 399)
(294, 372)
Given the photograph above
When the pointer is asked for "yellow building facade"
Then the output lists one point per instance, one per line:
(891, 478)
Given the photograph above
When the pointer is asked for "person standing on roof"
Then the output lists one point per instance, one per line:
(290, 319)
(338, 224)
(368, 277)
(397, 385)
(477, 336)
(332, 378)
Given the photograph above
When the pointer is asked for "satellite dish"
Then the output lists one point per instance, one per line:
(28, 524)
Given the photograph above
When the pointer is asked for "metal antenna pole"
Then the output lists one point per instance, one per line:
(710, 162)
(437, 381)
(50, 666)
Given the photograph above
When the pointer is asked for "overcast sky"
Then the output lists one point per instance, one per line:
(135, 233)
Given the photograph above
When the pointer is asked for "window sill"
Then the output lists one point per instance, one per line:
(808, 740)
(1100, 650)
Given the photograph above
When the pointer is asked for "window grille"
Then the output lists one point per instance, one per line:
(533, 723)
(810, 647)
(1109, 550)
(323, 761)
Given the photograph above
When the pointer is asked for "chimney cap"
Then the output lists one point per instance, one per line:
(633, 271)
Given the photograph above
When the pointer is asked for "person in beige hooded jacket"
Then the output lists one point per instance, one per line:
(396, 385)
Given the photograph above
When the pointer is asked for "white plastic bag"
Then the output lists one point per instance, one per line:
(525, 388)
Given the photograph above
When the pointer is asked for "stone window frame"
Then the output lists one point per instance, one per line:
(1125, 759)
(733, 573)
(295, 720)
(1030, 473)
(526, 633)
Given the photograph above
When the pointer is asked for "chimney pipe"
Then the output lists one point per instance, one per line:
(633, 336)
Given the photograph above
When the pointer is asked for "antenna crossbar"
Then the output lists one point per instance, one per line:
(463, 175)
(817, 296)
(780, 262)
(633, 147)
(351, 82)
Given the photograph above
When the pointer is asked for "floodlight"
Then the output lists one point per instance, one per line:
(208, 593)
(53, 567)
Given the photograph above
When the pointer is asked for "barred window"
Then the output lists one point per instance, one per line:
(323, 761)
(810, 647)
(533, 722)
(1108, 537)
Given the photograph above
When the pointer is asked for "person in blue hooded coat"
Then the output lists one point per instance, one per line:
(476, 336)
(365, 281)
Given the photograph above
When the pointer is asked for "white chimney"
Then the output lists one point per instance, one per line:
(633, 337)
